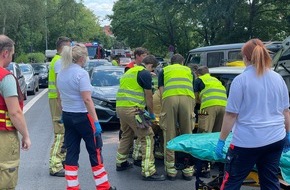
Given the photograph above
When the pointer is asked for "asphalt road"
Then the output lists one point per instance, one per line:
(34, 167)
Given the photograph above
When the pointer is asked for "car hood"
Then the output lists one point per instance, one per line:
(28, 76)
(106, 92)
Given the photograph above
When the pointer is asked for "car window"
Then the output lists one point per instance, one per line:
(106, 78)
(234, 56)
(18, 72)
(25, 69)
(194, 58)
(40, 68)
(215, 59)
(10, 67)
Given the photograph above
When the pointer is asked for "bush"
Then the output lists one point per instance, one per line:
(31, 58)
(36, 57)
(23, 58)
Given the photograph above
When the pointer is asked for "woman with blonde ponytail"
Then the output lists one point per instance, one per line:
(79, 118)
(257, 113)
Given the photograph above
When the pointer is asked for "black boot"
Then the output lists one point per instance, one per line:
(124, 166)
(154, 177)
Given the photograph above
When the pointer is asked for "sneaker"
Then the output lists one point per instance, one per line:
(154, 177)
(124, 166)
(113, 188)
(137, 163)
(187, 178)
(171, 178)
(60, 173)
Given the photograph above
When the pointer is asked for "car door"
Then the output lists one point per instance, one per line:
(21, 80)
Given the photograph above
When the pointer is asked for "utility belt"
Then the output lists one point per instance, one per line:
(143, 119)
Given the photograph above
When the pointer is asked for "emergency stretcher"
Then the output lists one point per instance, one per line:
(202, 146)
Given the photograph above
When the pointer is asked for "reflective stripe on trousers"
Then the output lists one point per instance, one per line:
(100, 177)
(71, 176)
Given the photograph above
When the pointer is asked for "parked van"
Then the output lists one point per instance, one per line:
(221, 55)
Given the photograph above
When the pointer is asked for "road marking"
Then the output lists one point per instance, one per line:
(33, 101)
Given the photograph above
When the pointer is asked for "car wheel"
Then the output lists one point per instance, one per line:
(33, 91)
(25, 95)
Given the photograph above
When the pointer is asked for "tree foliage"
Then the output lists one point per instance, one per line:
(35, 25)
(186, 24)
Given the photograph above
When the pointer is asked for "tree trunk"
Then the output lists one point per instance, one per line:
(4, 23)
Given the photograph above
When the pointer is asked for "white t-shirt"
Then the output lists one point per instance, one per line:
(259, 102)
(71, 82)
(8, 86)
(57, 66)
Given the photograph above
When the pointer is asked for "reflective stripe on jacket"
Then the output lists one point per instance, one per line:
(130, 93)
(5, 122)
(52, 92)
(213, 94)
(177, 81)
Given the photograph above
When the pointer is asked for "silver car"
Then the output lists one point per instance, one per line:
(31, 78)
(16, 71)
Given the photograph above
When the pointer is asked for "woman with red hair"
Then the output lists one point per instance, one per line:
(257, 113)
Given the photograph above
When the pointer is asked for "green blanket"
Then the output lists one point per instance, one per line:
(202, 146)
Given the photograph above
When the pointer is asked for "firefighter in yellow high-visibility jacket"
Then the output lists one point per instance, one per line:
(175, 83)
(57, 152)
(134, 94)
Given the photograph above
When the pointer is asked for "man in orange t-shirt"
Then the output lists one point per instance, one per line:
(139, 55)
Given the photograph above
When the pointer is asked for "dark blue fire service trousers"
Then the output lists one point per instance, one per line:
(78, 127)
(240, 162)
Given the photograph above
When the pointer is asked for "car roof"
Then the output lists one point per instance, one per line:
(96, 60)
(271, 45)
(226, 70)
(219, 47)
(108, 67)
(24, 64)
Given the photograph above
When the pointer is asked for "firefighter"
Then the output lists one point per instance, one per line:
(211, 94)
(136, 89)
(11, 119)
(175, 83)
(57, 151)
(159, 139)
(139, 54)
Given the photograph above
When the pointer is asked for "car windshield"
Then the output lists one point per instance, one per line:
(25, 69)
(98, 63)
(106, 78)
(40, 68)
(125, 60)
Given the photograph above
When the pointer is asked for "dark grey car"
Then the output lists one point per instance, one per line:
(42, 70)
(106, 81)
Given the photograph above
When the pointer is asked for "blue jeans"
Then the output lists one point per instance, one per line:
(240, 161)
(77, 127)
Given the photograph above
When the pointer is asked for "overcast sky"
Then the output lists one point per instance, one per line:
(101, 8)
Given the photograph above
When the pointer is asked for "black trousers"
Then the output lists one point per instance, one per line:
(240, 161)
(79, 126)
